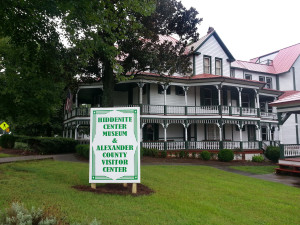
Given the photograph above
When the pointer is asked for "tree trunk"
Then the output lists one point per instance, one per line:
(108, 85)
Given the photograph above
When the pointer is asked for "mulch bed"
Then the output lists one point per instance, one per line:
(116, 189)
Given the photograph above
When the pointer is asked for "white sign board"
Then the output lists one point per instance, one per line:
(115, 145)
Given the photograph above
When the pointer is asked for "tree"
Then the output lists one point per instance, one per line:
(104, 31)
(34, 64)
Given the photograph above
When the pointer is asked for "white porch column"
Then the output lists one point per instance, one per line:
(186, 125)
(241, 134)
(63, 134)
(185, 89)
(71, 133)
(141, 85)
(240, 96)
(67, 133)
(76, 132)
(219, 87)
(165, 126)
(220, 132)
(257, 99)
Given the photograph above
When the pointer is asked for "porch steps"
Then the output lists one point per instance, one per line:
(289, 165)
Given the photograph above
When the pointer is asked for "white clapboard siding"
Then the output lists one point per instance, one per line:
(212, 48)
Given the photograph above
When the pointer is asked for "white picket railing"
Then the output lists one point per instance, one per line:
(157, 145)
(231, 144)
(250, 145)
(153, 109)
(180, 110)
(267, 115)
(291, 150)
(249, 111)
(204, 145)
(175, 145)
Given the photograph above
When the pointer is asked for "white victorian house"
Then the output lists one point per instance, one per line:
(216, 107)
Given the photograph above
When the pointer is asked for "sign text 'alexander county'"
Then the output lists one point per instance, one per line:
(114, 145)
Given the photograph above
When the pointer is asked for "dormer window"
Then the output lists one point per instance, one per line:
(207, 64)
(248, 76)
(269, 82)
(218, 66)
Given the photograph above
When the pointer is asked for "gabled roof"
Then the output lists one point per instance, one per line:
(281, 63)
(196, 45)
(289, 97)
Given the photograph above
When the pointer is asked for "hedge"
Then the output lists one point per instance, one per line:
(225, 155)
(83, 150)
(49, 145)
(7, 141)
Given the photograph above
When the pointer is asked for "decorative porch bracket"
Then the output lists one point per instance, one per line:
(282, 118)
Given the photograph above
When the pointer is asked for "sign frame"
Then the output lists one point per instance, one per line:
(128, 120)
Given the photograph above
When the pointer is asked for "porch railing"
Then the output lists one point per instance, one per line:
(202, 145)
(289, 151)
(184, 110)
(268, 115)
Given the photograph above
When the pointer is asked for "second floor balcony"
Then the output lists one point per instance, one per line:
(170, 110)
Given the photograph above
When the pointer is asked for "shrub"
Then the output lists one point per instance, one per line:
(83, 150)
(152, 152)
(205, 155)
(193, 155)
(49, 145)
(163, 154)
(22, 146)
(272, 153)
(181, 154)
(225, 155)
(257, 158)
(7, 141)
(18, 215)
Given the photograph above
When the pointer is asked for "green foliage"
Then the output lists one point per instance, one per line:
(22, 146)
(182, 154)
(152, 152)
(49, 145)
(194, 155)
(17, 214)
(7, 141)
(225, 155)
(163, 154)
(205, 155)
(272, 153)
(83, 150)
(257, 158)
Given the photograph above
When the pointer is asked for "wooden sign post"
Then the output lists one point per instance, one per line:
(115, 146)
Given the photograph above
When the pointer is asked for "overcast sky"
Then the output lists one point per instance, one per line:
(250, 28)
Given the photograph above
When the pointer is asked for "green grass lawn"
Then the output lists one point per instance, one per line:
(3, 155)
(184, 195)
(255, 169)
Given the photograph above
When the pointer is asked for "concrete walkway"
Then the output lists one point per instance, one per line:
(283, 179)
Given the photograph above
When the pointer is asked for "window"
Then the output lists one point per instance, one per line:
(207, 96)
(219, 66)
(269, 82)
(264, 135)
(248, 76)
(232, 73)
(212, 132)
(207, 64)
(262, 79)
(161, 90)
(179, 90)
